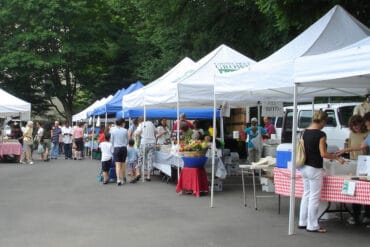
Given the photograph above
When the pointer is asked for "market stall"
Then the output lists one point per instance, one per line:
(11, 108)
(164, 160)
(281, 76)
(332, 189)
(10, 148)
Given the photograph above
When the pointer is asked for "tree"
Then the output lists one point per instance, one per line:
(167, 31)
(55, 48)
(296, 15)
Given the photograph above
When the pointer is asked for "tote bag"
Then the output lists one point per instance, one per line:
(40, 148)
(300, 157)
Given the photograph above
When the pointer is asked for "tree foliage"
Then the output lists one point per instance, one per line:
(79, 51)
(52, 48)
(296, 15)
(170, 30)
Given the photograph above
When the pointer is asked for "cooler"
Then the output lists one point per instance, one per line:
(283, 155)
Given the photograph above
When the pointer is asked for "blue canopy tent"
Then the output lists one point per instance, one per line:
(103, 108)
(115, 104)
(198, 113)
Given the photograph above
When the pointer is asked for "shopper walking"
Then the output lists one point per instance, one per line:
(56, 133)
(147, 132)
(119, 140)
(67, 140)
(26, 155)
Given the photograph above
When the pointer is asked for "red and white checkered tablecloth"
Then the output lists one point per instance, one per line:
(331, 190)
(10, 148)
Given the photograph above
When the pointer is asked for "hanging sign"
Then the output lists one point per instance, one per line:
(272, 109)
(225, 109)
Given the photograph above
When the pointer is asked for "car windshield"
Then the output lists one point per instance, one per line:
(345, 113)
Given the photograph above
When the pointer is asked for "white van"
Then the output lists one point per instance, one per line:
(336, 128)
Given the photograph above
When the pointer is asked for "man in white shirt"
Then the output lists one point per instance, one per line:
(147, 132)
(67, 132)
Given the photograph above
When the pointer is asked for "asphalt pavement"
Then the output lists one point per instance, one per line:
(61, 203)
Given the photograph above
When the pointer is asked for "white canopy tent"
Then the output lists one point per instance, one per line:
(194, 88)
(83, 114)
(137, 99)
(345, 72)
(102, 102)
(11, 106)
(349, 67)
(335, 30)
(273, 78)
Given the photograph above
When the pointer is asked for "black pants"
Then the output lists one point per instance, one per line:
(357, 211)
(68, 150)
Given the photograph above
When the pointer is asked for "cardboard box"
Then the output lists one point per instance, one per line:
(267, 185)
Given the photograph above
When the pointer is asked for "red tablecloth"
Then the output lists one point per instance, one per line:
(8, 148)
(331, 190)
(193, 179)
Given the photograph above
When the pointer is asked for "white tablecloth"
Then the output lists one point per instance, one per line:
(163, 161)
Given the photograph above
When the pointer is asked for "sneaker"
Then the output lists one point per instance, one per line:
(351, 221)
(119, 183)
(22, 162)
(31, 163)
(366, 220)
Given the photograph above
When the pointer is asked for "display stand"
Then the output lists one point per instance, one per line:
(249, 169)
(194, 180)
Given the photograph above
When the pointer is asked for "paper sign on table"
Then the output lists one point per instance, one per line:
(349, 187)
(363, 165)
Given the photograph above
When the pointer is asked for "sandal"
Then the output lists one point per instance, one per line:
(320, 230)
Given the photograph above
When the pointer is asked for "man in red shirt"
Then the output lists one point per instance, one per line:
(269, 127)
(182, 119)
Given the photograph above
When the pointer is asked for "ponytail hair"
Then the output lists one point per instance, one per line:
(319, 116)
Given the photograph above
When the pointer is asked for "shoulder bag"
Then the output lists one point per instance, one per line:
(300, 156)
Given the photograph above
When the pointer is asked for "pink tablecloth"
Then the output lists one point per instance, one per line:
(10, 148)
(331, 190)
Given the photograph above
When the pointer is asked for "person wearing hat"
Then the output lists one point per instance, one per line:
(254, 141)
(26, 155)
(362, 108)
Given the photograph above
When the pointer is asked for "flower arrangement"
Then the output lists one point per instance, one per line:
(194, 148)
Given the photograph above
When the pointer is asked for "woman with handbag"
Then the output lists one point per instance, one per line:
(312, 172)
